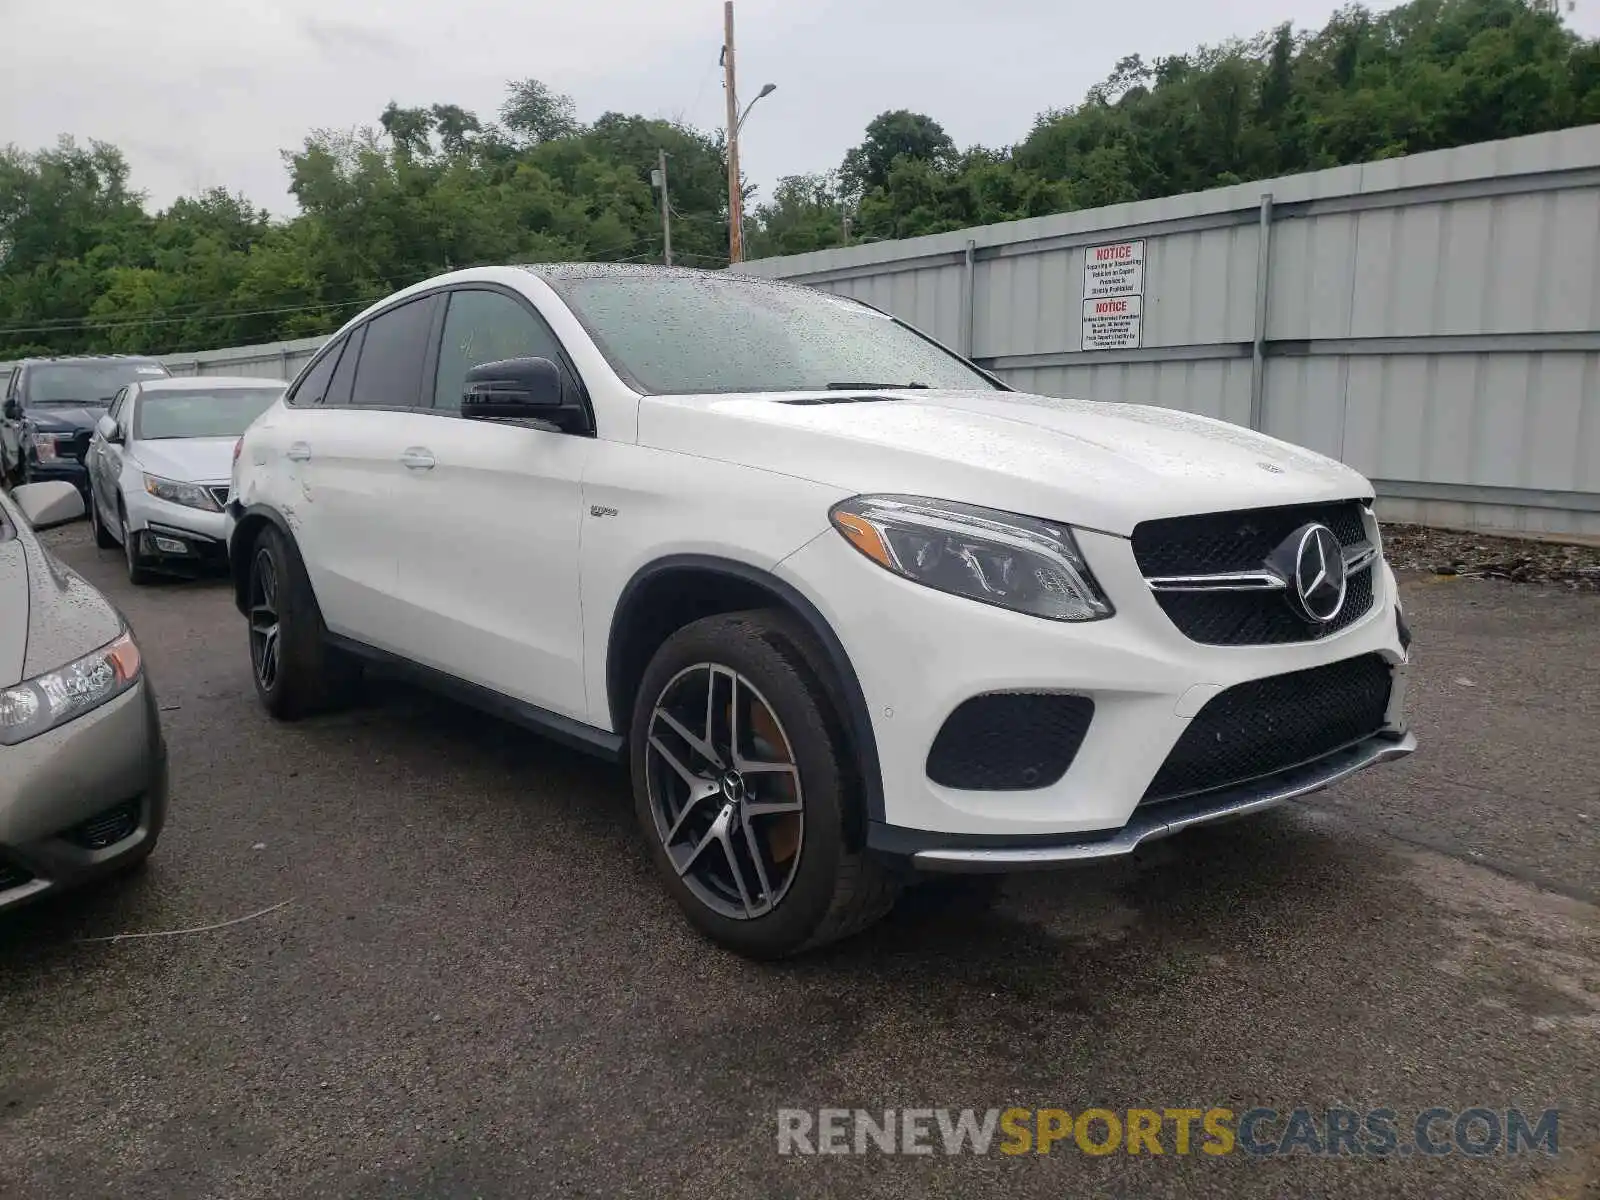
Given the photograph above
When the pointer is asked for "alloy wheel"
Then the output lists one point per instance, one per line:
(264, 629)
(725, 791)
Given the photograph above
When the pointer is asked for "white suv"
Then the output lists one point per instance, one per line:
(850, 608)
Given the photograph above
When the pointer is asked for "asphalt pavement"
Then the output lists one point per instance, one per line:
(475, 987)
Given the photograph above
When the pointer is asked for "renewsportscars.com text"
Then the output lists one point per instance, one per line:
(1259, 1132)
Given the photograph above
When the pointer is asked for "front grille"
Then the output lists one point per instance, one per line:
(1213, 543)
(1259, 618)
(1009, 741)
(13, 876)
(106, 828)
(1269, 725)
(1218, 543)
(219, 493)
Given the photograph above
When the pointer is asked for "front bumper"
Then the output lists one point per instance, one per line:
(65, 792)
(175, 537)
(949, 853)
(919, 654)
(68, 469)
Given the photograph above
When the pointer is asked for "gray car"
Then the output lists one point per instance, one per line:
(83, 765)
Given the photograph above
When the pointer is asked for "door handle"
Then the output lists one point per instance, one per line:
(298, 452)
(417, 458)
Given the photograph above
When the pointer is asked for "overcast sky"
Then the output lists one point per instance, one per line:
(200, 93)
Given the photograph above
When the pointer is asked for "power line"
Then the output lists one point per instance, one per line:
(91, 323)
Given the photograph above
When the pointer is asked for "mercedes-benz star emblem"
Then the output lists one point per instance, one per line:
(1318, 581)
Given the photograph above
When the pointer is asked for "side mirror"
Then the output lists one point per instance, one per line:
(512, 388)
(107, 428)
(12, 411)
(54, 502)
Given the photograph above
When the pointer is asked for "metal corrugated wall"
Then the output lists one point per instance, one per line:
(1434, 321)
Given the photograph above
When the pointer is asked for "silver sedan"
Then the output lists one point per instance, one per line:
(83, 765)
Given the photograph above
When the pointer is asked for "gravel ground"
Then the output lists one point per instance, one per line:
(1520, 560)
(477, 987)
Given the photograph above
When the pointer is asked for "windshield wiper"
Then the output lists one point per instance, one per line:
(848, 386)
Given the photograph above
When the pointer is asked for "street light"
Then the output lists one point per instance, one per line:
(766, 90)
(736, 225)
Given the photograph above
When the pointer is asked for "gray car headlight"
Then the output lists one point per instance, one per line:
(1021, 563)
(190, 495)
(36, 705)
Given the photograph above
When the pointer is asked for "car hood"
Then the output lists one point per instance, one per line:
(49, 615)
(188, 460)
(65, 419)
(1095, 465)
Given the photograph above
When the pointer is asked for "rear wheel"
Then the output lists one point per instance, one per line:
(744, 790)
(296, 672)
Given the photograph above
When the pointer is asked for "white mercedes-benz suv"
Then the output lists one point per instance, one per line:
(850, 608)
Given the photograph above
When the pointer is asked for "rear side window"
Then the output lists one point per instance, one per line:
(390, 368)
(314, 383)
(344, 377)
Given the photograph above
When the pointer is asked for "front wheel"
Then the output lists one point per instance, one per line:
(102, 535)
(138, 573)
(745, 792)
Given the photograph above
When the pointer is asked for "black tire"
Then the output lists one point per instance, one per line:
(102, 535)
(310, 676)
(835, 889)
(138, 573)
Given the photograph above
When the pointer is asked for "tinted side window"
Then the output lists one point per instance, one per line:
(339, 389)
(482, 327)
(315, 381)
(390, 370)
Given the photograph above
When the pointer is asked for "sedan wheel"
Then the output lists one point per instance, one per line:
(725, 791)
(102, 535)
(137, 571)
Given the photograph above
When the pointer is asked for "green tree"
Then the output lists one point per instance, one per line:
(891, 136)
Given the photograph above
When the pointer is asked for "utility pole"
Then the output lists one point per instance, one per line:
(735, 196)
(660, 180)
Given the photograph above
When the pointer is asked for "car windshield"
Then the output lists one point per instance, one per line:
(192, 413)
(95, 383)
(683, 334)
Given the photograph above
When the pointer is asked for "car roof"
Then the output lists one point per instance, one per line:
(208, 383)
(555, 273)
(68, 359)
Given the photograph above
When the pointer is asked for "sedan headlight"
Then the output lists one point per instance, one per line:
(33, 706)
(190, 495)
(999, 558)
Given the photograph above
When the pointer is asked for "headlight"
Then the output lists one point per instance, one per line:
(47, 446)
(30, 708)
(1020, 563)
(190, 495)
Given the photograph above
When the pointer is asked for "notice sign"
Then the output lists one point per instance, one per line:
(1111, 324)
(1113, 295)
